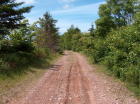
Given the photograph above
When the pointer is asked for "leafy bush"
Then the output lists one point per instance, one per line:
(124, 52)
(119, 51)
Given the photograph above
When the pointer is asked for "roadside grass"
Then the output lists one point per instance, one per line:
(13, 81)
(135, 90)
(103, 69)
(6, 82)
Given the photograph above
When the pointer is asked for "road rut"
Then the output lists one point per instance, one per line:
(72, 81)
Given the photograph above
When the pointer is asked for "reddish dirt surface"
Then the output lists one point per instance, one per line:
(73, 81)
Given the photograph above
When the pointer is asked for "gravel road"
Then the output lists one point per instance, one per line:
(71, 80)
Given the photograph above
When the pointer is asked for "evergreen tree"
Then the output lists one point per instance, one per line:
(49, 33)
(91, 30)
(11, 15)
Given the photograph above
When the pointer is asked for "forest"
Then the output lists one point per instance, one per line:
(114, 41)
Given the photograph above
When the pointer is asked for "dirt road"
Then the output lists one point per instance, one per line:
(73, 81)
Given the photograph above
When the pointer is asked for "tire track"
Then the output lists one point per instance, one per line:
(65, 84)
(68, 86)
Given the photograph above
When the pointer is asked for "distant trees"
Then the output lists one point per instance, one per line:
(10, 16)
(67, 38)
(92, 30)
(115, 42)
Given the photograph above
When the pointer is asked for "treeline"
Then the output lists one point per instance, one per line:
(115, 42)
(22, 44)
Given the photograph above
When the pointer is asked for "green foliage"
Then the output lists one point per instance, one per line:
(69, 38)
(123, 11)
(11, 15)
(23, 47)
(48, 33)
(123, 57)
(119, 51)
(25, 33)
(120, 47)
(115, 42)
(105, 23)
(8, 46)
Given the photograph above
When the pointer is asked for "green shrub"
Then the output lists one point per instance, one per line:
(119, 51)
(123, 55)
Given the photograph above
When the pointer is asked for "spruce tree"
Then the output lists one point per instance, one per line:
(10, 15)
(49, 33)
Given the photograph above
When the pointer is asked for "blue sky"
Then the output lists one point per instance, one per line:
(80, 13)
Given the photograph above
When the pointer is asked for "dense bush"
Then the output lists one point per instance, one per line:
(116, 40)
(8, 46)
(119, 51)
(123, 56)
(28, 46)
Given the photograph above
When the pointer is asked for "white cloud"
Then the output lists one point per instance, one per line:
(66, 6)
(78, 16)
(26, 1)
(67, 1)
(86, 9)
